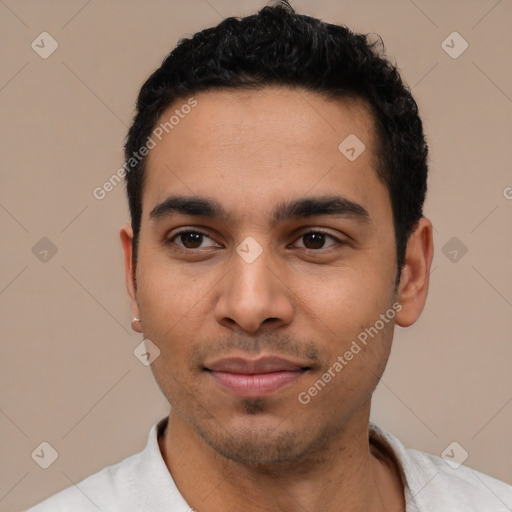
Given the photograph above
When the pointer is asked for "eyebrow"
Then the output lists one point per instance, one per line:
(288, 210)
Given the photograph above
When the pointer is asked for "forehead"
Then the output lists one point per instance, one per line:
(249, 147)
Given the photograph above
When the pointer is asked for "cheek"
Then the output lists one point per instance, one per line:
(165, 292)
(170, 311)
(348, 381)
(176, 311)
(347, 310)
(347, 298)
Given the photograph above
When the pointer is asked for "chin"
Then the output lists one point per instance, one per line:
(256, 448)
(257, 438)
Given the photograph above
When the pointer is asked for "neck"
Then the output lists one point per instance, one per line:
(349, 474)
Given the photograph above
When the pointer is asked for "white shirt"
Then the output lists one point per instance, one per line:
(142, 483)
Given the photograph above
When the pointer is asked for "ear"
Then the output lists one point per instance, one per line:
(126, 235)
(414, 278)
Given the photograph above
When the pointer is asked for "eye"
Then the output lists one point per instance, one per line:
(316, 240)
(190, 239)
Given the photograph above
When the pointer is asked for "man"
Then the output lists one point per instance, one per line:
(276, 173)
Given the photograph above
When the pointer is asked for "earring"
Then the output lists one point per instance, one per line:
(136, 328)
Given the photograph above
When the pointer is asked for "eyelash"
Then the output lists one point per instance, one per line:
(170, 241)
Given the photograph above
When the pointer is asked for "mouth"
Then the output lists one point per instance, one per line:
(258, 378)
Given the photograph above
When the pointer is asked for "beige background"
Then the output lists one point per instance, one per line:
(67, 369)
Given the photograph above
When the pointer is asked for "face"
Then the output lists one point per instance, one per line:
(260, 292)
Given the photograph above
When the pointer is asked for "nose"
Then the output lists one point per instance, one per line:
(253, 294)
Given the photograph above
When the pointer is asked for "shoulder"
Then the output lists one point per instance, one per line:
(139, 482)
(431, 483)
(99, 491)
(438, 486)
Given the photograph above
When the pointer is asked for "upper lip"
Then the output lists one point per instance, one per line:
(265, 364)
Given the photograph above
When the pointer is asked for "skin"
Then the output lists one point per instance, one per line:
(198, 300)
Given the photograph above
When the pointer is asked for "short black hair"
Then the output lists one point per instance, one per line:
(279, 47)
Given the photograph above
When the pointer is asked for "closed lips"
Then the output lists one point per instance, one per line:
(246, 378)
(248, 367)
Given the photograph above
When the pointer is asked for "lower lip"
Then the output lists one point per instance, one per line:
(256, 385)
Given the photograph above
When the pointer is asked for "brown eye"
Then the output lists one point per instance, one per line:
(315, 240)
(189, 239)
